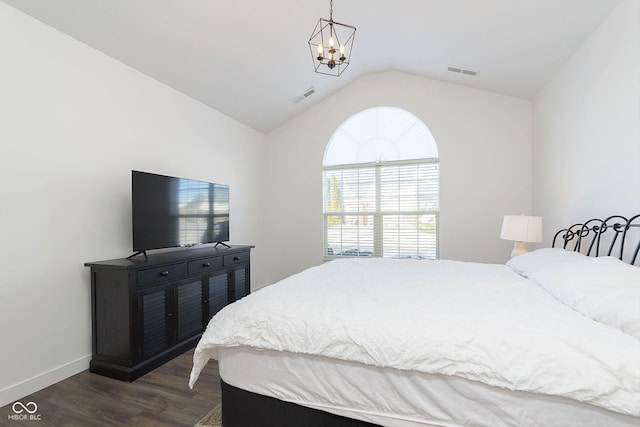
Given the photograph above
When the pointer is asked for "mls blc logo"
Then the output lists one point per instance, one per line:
(24, 412)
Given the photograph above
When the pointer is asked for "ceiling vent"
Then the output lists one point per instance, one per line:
(461, 70)
(306, 93)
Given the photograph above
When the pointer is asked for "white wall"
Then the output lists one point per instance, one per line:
(484, 141)
(587, 128)
(74, 124)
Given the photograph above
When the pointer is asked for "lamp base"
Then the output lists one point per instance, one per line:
(519, 248)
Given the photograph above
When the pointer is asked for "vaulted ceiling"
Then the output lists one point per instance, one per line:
(249, 58)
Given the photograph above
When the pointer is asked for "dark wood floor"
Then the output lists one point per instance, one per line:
(160, 398)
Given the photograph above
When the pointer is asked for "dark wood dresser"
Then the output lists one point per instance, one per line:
(146, 312)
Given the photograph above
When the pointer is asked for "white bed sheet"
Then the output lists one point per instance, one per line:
(417, 399)
(475, 322)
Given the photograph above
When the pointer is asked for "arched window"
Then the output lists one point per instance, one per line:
(381, 181)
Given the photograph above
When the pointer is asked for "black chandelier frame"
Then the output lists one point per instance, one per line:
(331, 44)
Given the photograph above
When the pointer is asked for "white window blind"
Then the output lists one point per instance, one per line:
(384, 209)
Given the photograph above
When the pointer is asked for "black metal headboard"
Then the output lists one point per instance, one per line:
(615, 234)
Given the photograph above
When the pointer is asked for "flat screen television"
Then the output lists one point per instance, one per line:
(170, 212)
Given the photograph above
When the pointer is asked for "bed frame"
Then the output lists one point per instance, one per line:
(243, 408)
(616, 234)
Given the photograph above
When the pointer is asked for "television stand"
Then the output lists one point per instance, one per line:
(146, 258)
(146, 313)
(223, 244)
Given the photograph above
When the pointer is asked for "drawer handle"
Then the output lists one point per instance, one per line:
(206, 264)
(236, 258)
(165, 273)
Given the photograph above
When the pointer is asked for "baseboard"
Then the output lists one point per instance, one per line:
(31, 385)
(257, 288)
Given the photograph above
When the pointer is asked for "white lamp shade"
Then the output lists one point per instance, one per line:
(522, 228)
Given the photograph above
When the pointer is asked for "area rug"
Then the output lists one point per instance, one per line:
(212, 419)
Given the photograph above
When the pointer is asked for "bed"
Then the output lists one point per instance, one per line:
(552, 338)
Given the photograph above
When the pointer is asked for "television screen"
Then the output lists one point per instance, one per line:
(169, 211)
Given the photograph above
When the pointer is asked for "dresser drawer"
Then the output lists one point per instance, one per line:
(202, 265)
(167, 272)
(236, 258)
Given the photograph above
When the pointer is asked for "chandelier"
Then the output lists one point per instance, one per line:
(330, 44)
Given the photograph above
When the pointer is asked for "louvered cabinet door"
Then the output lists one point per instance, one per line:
(189, 309)
(240, 282)
(217, 294)
(155, 315)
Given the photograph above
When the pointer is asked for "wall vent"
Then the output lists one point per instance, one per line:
(461, 70)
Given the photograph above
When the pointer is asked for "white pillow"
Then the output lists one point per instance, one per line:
(603, 288)
(530, 262)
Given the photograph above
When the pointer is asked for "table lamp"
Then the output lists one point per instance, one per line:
(521, 229)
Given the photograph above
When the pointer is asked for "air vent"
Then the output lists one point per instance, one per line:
(461, 70)
(306, 93)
